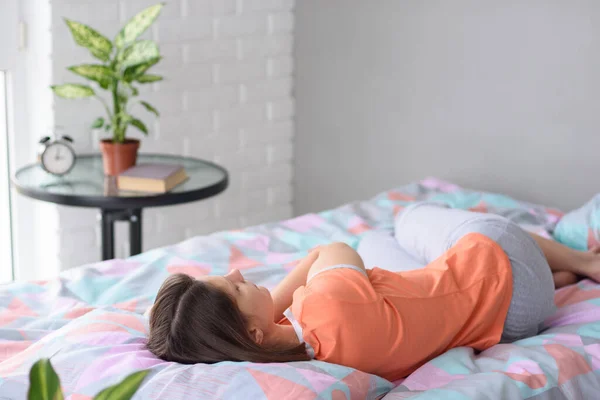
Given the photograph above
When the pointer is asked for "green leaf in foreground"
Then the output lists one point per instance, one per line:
(125, 389)
(150, 108)
(73, 91)
(44, 383)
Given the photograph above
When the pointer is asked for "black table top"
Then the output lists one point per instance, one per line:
(86, 186)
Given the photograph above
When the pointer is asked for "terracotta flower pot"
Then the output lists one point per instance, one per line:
(118, 157)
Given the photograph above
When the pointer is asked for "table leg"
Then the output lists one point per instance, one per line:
(135, 231)
(108, 235)
(134, 217)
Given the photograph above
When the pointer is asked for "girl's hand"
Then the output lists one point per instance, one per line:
(283, 293)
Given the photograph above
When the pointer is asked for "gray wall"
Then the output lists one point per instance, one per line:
(495, 95)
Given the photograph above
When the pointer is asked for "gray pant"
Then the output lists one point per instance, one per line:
(426, 231)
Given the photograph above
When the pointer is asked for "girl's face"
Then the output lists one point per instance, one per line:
(254, 302)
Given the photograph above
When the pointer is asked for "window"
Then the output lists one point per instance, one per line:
(6, 264)
(9, 44)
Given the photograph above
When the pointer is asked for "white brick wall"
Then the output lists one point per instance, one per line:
(228, 98)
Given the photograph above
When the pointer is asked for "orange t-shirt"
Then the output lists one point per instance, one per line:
(391, 323)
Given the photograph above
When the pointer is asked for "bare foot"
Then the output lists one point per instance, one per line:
(564, 278)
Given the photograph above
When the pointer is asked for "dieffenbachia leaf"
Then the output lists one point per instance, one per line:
(140, 125)
(73, 91)
(140, 52)
(98, 123)
(132, 73)
(94, 41)
(127, 90)
(150, 108)
(137, 25)
(134, 90)
(44, 383)
(149, 78)
(98, 73)
(125, 118)
(125, 389)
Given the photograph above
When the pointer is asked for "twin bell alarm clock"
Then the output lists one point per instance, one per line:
(56, 155)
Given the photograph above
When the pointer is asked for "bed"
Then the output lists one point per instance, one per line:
(90, 319)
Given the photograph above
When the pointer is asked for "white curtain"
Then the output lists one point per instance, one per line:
(6, 267)
(8, 55)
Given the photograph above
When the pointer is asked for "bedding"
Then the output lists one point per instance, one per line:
(580, 229)
(89, 320)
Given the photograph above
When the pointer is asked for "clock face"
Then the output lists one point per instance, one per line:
(58, 158)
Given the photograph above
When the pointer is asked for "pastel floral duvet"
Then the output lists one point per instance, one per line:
(90, 322)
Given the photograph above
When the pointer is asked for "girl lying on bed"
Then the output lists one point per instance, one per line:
(486, 282)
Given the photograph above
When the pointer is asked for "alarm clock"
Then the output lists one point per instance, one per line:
(56, 156)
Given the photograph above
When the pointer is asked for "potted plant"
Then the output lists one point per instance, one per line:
(44, 384)
(124, 63)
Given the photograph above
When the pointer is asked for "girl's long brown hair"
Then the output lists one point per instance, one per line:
(194, 322)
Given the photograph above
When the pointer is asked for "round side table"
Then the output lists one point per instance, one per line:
(86, 186)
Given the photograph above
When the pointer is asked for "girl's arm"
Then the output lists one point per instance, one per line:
(320, 258)
(336, 254)
(282, 294)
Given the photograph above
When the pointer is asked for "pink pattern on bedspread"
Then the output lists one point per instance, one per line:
(90, 319)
